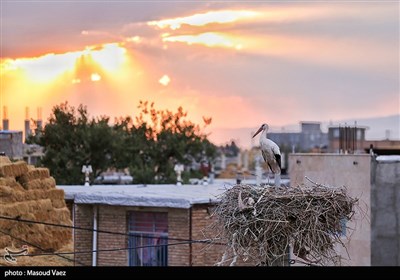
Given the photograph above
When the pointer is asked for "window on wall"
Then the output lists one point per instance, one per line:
(148, 238)
(336, 133)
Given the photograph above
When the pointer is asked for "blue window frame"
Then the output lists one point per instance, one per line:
(148, 238)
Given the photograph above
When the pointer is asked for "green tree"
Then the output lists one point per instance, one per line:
(169, 138)
(71, 140)
(150, 146)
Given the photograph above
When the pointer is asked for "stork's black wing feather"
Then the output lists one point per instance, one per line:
(278, 160)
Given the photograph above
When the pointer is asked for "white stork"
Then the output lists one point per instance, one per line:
(270, 152)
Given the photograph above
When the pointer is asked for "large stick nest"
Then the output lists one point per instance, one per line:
(260, 223)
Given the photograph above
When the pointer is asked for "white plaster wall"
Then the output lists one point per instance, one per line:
(336, 170)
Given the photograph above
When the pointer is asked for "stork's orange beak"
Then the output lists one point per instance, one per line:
(258, 131)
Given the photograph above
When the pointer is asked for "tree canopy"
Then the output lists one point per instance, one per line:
(148, 145)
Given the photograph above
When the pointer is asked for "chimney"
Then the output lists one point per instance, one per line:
(27, 124)
(39, 121)
(5, 119)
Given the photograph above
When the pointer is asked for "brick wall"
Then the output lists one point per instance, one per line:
(178, 227)
(112, 218)
(203, 254)
(83, 238)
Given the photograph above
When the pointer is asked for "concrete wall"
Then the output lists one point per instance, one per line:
(11, 143)
(385, 203)
(354, 172)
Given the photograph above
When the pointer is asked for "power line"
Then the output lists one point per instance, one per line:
(60, 254)
(207, 241)
(104, 250)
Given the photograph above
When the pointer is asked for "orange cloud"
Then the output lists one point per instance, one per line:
(224, 16)
(307, 48)
(45, 68)
(209, 39)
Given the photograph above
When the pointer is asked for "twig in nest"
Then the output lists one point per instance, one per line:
(308, 217)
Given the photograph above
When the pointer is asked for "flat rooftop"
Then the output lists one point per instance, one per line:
(171, 196)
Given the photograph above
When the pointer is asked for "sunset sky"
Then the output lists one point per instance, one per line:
(242, 63)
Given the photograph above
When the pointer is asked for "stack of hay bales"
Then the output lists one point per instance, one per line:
(29, 193)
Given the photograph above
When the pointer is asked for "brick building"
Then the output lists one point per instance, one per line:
(144, 216)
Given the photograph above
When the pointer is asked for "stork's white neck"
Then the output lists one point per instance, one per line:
(264, 133)
(263, 136)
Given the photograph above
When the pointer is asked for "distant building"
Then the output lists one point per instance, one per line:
(382, 147)
(32, 153)
(309, 138)
(346, 139)
(11, 143)
(339, 139)
(351, 139)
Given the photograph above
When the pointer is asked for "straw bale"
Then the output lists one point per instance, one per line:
(45, 184)
(16, 196)
(32, 185)
(36, 200)
(23, 195)
(61, 214)
(31, 167)
(21, 230)
(15, 169)
(37, 173)
(58, 238)
(4, 160)
(39, 205)
(5, 241)
(7, 224)
(49, 183)
(43, 215)
(11, 182)
(34, 194)
(7, 199)
(55, 194)
(17, 186)
(58, 203)
(14, 209)
(5, 191)
(8, 181)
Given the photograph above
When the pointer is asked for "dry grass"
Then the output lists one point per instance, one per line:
(260, 223)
